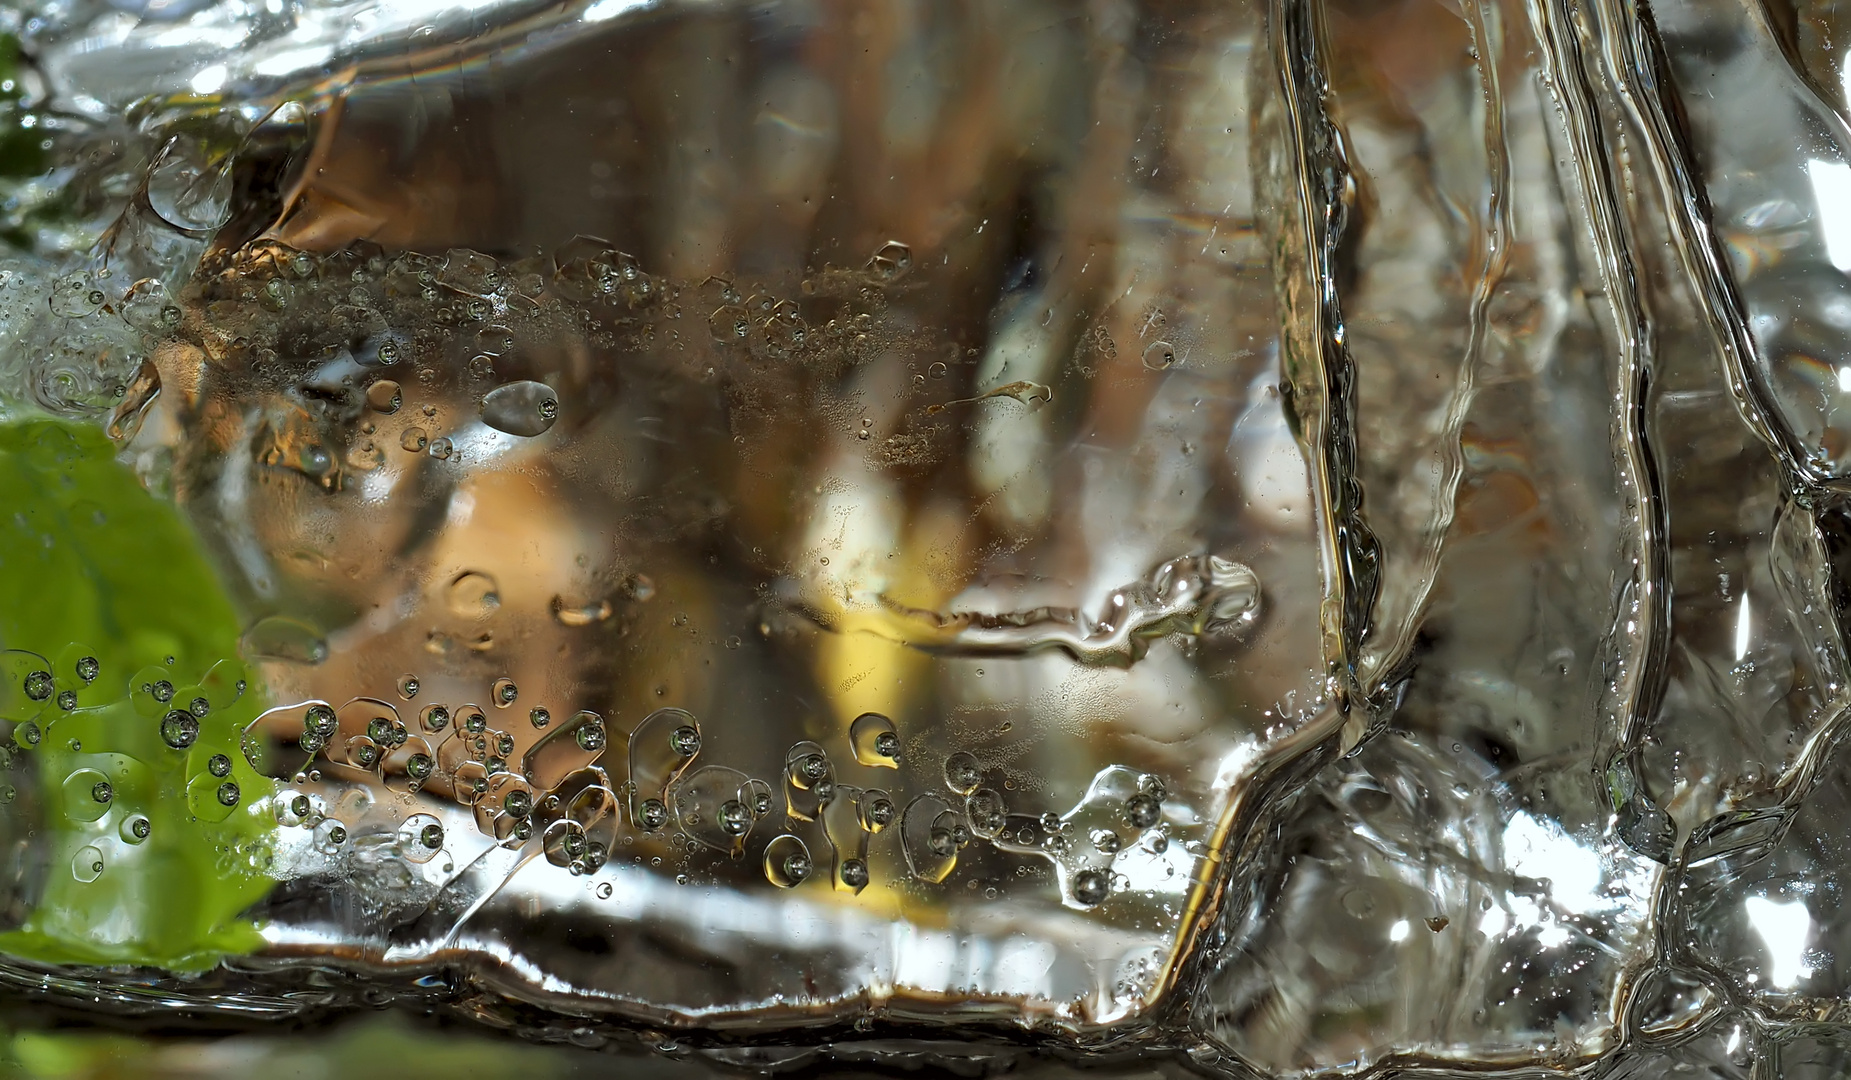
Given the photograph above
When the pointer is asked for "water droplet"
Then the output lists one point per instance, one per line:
(330, 836)
(419, 766)
(874, 741)
(877, 810)
(384, 396)
(27, 735)
(441, 449)
(80, 790)
(1159, 355)
(191, 194)
(524, 408)
(962, 774)
(38, 685)
(228, 793)
(473, 595)
(927, 838)
(1090, 886)
(604, 890)
(408, 686)
(505, 692)
(126, 418)
(218, 765)
(88, 668)
(135, 828)
(855, 874)
(590, 736)
(656, 757)
(891, 262)
(74, 297)
(729, 324)
(147, 307)
(420, 838)
(414, 440)
(1105, 841)
(434, 718)
(67, 700)
(281, 638)
(652, 814)
(986, 812)
(87, 864)
(574, 613)
(808, 781)
(787, 861)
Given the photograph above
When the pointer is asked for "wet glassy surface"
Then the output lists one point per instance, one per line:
(1255, 539)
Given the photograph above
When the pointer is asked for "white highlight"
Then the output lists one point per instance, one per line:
(1399, 931)
(1784, 929)
(1743, 625)
(1538, 849)
(609, 9)
(1831, 189)
(209, 80)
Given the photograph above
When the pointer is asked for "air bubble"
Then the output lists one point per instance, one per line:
(1142, 811)
(414, 440)
(38, 685)
(408, 686)
(1090, 887)
(135, 828)
(219, 765)
(434, 718)
(321, 721)
(88, 668)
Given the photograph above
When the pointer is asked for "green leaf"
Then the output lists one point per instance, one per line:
(94, 567)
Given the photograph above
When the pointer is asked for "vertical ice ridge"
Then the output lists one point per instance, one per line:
(1387, 659)
(1639, 638)
(1318, 366)
(1660, 123)
(1638, 63)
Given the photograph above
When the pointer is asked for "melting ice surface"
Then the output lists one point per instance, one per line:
(1310, 534)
